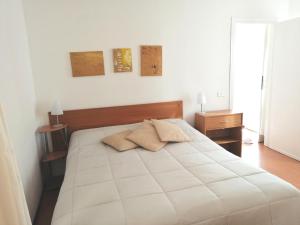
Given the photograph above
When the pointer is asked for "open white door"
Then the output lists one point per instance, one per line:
(283, 109)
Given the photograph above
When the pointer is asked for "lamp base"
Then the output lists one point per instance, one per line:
(202, 108)
(58, 124)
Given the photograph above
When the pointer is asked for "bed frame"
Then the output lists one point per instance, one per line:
(118, 115)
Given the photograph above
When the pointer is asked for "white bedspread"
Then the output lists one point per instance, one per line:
(191, 183)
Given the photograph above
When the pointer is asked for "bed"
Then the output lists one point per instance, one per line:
(190, 183)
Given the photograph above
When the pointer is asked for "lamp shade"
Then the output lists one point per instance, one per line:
(201, 99)
(56, 109)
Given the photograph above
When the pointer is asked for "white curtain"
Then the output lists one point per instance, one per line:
(13, 207)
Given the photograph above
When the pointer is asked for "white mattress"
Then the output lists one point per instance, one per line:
(196, 183)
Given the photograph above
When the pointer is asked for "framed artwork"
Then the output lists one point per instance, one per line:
(151, 60)
(122, 60)
(87, 63)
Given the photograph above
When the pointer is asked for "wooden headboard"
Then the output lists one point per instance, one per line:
(118, 115)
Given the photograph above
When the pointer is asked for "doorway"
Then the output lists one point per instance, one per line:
(248, 54)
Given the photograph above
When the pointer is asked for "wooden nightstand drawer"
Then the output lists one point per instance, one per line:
(223, 127)
(221, 122)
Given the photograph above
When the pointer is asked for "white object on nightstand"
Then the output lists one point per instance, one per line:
(57, 111)
(201, 100)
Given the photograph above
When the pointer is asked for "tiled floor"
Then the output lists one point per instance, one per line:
(255, 154)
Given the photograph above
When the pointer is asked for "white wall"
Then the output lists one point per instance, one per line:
(18, 97)
(294, 8)
(283, 130)
(195, 35)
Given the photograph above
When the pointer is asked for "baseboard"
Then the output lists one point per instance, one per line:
(287, 154)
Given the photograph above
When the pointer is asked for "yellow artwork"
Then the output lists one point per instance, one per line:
(122, 60)
(87, 63)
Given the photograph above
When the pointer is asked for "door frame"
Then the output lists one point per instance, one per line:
(265, 74)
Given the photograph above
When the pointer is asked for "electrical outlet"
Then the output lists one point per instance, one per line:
(220, 94)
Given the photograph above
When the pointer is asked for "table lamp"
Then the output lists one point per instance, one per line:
(57, 111)
(201, 100)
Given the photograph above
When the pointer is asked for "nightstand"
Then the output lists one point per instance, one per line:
(223, 127)
(51, 181)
